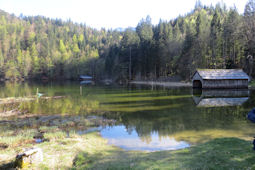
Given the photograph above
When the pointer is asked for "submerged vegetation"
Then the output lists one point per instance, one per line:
(207, 37)
(220, 137)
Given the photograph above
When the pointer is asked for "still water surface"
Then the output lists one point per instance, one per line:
(147, 118)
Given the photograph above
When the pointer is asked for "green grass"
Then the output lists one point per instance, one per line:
(221, 153)
(91, 151)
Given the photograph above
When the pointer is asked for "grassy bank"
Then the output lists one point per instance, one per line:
(58, 151)
(60, 134)
(91, 151)
(222, 153)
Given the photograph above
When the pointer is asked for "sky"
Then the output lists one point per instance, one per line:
(109, 13)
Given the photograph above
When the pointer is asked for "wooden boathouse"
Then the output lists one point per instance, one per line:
(220, 78)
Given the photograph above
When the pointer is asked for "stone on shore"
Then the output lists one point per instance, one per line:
(29, 157)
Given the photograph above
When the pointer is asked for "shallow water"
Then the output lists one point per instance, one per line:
(146, 118)
(119, 136)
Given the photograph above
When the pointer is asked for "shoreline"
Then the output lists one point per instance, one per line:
(65, 148)
(162, 83)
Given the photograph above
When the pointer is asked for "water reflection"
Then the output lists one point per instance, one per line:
(163, 118)
(119, 136)
(219, 98)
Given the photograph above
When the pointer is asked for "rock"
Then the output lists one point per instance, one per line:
(38, 136)
(29, 157)
(3, 146)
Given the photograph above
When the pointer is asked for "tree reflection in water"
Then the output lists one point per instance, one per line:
(152, 115)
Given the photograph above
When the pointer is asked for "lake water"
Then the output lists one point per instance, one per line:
(145, 117)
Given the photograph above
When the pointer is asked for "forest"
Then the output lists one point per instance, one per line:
(36, 47)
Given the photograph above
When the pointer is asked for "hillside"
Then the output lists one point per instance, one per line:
(208, 37)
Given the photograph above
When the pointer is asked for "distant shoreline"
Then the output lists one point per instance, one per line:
(162, 83)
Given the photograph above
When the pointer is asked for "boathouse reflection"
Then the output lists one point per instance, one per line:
(219, 98)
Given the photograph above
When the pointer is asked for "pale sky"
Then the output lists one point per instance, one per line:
(109, 13)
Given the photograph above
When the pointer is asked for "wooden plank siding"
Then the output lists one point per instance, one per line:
(220, 79)
(219, 84)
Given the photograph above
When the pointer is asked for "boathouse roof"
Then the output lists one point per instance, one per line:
(222, 74)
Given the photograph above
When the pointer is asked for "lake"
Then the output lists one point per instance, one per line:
(144, 117)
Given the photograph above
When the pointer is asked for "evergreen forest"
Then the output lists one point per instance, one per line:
(36, 47)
